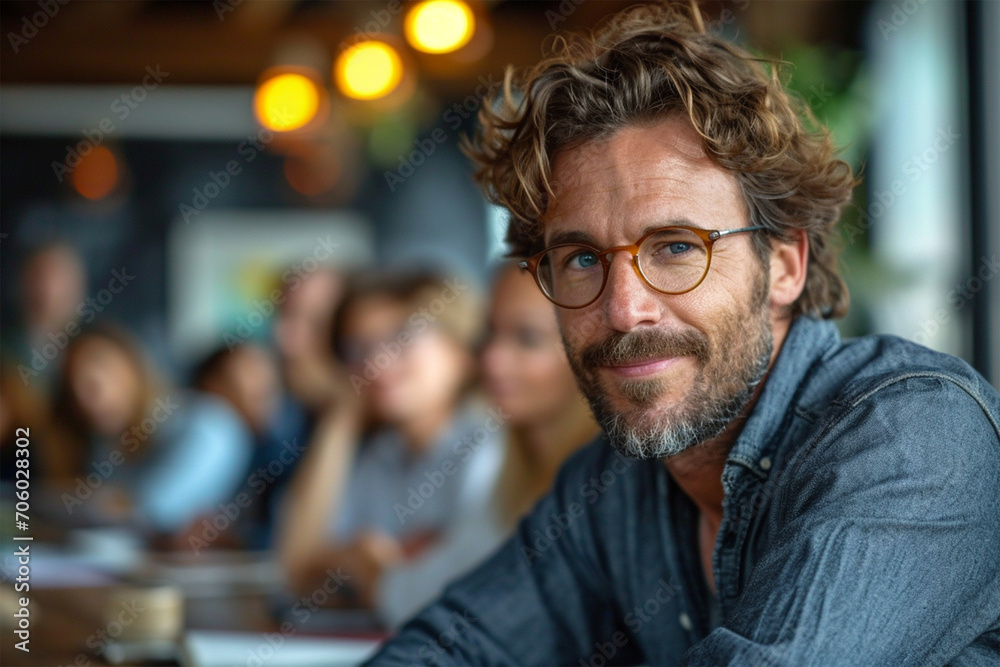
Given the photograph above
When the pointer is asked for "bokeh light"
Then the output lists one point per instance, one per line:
(287, 101)
(97, 174)
(439, 26)
(368, 70)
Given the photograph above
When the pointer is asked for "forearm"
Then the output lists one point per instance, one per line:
(316, 493)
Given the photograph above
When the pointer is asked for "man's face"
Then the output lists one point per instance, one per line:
(662, 372)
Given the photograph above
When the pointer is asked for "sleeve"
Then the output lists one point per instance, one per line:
(199, 464)
(405, 589)
(541, 599)
(366, 478)
(470, 538)
(885, 551)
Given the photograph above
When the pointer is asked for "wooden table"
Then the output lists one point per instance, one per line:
(70, 625)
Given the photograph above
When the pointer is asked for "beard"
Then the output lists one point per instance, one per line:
(731, 365)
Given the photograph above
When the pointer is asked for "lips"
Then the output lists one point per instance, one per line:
(643, 367)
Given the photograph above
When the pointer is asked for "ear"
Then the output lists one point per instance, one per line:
(789, 263)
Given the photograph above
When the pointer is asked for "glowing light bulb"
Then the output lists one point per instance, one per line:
(368, 70)
(287, 101)
(439, 26)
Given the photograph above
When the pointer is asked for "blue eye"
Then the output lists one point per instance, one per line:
(583, 260)
(679, 247)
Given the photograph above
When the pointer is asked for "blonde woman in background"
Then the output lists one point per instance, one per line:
(138, 450)
(528, 378)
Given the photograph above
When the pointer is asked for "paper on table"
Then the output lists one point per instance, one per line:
(54, 569)
(210, 648)
(213, 574)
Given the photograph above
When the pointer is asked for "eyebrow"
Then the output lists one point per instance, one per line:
(575, 236)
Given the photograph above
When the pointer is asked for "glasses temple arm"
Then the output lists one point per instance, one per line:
(718, 234)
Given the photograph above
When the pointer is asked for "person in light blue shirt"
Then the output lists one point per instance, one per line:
(764, 493)
(137, 450)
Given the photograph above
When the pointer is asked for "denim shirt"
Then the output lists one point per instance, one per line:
(861, 526)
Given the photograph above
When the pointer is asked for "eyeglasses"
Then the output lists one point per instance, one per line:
(671, 260)
(357, 352)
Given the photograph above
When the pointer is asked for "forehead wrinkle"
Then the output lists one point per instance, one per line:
(633, 174)
(623, 186)
(621, 175)
(642, 199)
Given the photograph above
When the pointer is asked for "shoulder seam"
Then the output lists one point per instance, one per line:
(802, 455)
(927, 374)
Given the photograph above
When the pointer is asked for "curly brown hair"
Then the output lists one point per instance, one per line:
(646, 63)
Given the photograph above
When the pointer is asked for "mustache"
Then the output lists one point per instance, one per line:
(636, 346)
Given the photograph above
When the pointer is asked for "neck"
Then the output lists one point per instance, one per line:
(698, 471)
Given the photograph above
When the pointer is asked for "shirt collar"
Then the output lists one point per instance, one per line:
(808, 339)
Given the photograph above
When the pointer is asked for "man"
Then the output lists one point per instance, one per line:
(302, 335)
(53, 286)
(771, 494)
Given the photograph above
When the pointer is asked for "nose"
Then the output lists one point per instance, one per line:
(495, 358)
(628, 302)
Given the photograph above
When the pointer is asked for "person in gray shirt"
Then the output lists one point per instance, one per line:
(404, 449)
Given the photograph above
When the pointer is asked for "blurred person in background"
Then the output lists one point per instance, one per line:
(247, 377)
(137, 451)
(53, 290)
(528, 378)
(302, 337)
(368, 501)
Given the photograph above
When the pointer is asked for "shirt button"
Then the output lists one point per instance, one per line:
(765, 463)
(685, 621)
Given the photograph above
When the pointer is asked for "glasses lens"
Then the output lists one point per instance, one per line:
(673, 260)
(571, 276)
